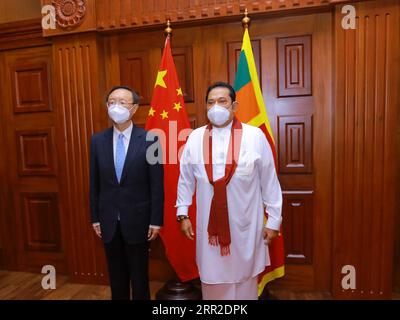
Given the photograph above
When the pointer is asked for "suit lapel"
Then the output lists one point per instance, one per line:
(108, 149)
(133, 149)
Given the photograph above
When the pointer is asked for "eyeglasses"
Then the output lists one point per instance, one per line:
(220, 101)
(121, 103)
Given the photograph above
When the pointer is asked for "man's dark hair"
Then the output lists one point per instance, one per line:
(221, 84)
(135, 96)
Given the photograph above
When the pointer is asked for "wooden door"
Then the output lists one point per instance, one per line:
(33, 219)
(301, 108)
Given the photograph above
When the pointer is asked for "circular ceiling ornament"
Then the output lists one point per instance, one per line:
(69, 13)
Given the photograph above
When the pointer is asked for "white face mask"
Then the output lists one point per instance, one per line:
(118, 113)
(218, 115)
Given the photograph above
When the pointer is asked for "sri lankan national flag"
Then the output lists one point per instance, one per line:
(252, 111)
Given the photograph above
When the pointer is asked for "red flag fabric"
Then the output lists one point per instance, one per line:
(168, 116)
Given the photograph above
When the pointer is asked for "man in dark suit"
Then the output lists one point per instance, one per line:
(126, 196)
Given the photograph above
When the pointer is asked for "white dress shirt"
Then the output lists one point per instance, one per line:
(221, 138)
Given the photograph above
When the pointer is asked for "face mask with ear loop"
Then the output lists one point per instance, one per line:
(118, 113)
(218, 115)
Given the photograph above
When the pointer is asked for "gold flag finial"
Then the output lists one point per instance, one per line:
(246, 19)
(168, 29)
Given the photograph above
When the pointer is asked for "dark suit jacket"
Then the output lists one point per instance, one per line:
(139, 197)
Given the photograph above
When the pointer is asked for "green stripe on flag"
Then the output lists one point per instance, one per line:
(242, 74)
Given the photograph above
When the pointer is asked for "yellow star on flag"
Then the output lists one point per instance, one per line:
(151, 112)
(160, 79)
(179, 91)
(177, 106)
(164, 114)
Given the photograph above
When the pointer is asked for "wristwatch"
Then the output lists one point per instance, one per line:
(182, 217)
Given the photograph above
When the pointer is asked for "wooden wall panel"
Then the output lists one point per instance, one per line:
(31, 88)
(183, 58)
(78, 70)
(33, 212)
(183, 52)
(5, 242)
(134, 66)
(366, 117)
(298, 227)
(1, 254)
(396, 257)
(35, 152)
(294, 66)
(19, 10)
(295, 144)
(41, 224)
(323, 150)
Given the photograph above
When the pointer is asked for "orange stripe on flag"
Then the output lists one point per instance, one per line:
(248, 107)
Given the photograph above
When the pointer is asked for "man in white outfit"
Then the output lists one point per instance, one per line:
(233, 191)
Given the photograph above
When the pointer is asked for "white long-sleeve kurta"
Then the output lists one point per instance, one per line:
(253, 187)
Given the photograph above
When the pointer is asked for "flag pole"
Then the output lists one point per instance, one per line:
(174, 289)
(246, 20)
(168, 29)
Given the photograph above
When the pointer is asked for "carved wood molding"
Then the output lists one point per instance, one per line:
(75, 16)
(69, 13)
(21, 34)
(120, 14)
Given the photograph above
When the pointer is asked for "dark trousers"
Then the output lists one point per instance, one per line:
(128, 265)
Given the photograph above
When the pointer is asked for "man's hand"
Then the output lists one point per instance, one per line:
(152, 234)
(97, 229)
(269, 234)
(186, 228)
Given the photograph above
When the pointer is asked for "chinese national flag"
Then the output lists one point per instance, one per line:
(167, 114)
(252, 111)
